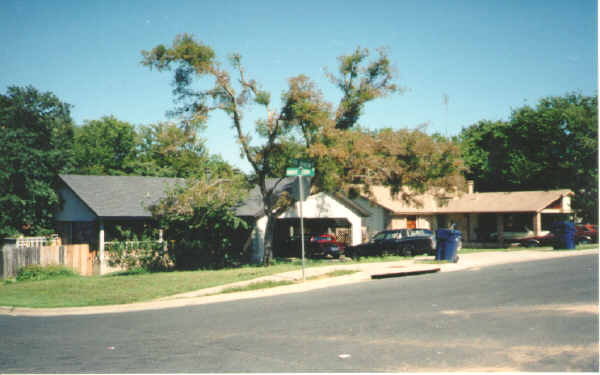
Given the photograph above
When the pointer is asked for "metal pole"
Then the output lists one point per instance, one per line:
(301, 223)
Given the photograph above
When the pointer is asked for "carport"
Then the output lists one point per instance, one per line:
(287, 233)
(477, 215)
(322, 212)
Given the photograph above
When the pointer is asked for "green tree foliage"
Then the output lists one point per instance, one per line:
(168, 151)
(36, 135)
(112, 147)
(200, 221)
(343, 155)
(346, 156)
(360, 82)
(105, 147)
(551, 146)
(391, 157)
(189, 59)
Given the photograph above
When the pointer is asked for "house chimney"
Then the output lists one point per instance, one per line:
(470, 186)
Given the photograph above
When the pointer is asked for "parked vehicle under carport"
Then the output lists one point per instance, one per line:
(325, 245)
(524, 237)
(586, 233)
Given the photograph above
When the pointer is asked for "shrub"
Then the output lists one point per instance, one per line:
(35, 272)
(201, 224)
(134, 255)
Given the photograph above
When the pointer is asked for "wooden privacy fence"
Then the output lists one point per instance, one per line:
(77, 257)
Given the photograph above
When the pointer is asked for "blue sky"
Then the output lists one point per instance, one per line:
(488, 57)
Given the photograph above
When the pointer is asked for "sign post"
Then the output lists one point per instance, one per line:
(300, 172)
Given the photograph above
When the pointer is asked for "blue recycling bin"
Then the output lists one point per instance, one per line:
(448, 241)
(564, 234)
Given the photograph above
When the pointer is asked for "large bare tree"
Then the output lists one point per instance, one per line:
(233, 91)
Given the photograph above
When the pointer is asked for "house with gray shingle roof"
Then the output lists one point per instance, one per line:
(92, 206)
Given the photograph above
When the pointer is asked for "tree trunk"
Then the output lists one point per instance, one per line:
(268, 256)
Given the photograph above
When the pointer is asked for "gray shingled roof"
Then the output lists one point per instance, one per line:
(253, 205)
(120, 196)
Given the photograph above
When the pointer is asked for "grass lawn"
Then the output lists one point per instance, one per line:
(129, 288)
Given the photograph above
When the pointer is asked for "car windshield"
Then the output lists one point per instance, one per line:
(394, 235)
(397, 235)
(420, 232)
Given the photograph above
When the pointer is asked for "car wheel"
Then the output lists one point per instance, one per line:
(583, 241)
(408, 250)
(531, 244)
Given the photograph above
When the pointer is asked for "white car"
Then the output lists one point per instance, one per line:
(522, 235)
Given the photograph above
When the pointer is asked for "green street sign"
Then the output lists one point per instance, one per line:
(302, 163)
(299, 172)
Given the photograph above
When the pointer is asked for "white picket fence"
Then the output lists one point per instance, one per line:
(36, 241)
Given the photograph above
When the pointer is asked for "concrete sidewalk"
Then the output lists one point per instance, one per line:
(365, 271)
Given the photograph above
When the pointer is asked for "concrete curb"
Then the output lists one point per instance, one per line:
(366, 271)
(402, 274)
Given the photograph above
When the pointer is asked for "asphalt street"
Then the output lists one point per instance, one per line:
(531, 316)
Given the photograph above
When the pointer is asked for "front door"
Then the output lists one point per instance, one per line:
(411, 222)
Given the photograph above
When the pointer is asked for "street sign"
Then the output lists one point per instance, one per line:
(299, 172)
(302, 163)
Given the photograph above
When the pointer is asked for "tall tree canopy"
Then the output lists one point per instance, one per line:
(105, 147)
(231, 95)
(347, 156)
(166, 150)
(360, 82)
(190, 59)
(551, 146)
(326, 135)
(109, 146)
(36, 135)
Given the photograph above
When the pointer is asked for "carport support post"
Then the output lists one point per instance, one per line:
(301, 226)
(500, 228)
(537, 223)
(101, 246)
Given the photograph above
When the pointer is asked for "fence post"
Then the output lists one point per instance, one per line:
(2, 261)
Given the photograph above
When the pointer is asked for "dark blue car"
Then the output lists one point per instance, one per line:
(405, 242)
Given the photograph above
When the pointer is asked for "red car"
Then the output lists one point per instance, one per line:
(325, 245)
(586, 233)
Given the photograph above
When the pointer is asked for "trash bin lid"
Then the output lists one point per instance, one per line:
(443, 234)
(562, 226)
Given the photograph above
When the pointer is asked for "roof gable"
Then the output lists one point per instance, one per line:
(119, 196)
